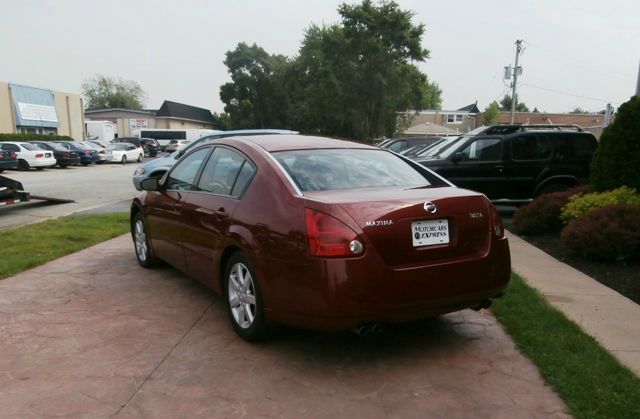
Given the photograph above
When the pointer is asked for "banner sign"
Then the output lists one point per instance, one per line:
(33, 112)
(138, 123)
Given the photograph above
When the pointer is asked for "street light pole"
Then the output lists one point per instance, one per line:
(515, 81)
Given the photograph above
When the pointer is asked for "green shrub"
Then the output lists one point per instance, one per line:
(617, 158)
(34, 137)
(609, 233)
(542, 215)
(582, 204)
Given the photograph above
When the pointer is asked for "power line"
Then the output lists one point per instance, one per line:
(568, 94)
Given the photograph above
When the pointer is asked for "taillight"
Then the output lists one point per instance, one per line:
(496, 222)
(14, 155)
(87, 153)
(39, 156)
(328, 237)
(66, 154)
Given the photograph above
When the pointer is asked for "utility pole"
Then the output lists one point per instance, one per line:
(515, 81)
(638, 82)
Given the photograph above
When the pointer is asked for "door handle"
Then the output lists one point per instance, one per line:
(221, 214)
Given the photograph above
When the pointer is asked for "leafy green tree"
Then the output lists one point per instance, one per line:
(222, 121)
(617, 158)
(492, 113)
(349, 79)
(101, 92)
(579, 110)
(505, 104)
(252, 99)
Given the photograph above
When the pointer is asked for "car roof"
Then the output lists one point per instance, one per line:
(282, 142)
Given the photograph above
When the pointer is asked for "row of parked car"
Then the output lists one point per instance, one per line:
(24, 155)
(506, 162)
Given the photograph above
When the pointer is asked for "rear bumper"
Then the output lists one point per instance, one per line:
(9, 164)
(68, 161)
(43, 162)
(335, 294)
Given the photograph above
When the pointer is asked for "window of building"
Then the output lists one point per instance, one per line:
(455, 119)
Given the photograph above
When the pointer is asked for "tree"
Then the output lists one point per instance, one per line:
(253, 98)
(349, 79)
(505, 104)
(492, 114)
(617, 158)
(579, 110)
(101, 92)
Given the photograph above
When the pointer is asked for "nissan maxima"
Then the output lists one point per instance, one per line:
(320, 233)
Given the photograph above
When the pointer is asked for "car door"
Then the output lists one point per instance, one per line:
(479, 166)
(209, 210)
(529, 161)
(165, 208)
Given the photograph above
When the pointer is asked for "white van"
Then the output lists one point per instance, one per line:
(101, 130)
(163, 136)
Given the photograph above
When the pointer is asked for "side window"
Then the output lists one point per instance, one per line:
(220, 174)
(244, 177)
(182, 177)
(485, 149)
(584, 146)
(531, 147)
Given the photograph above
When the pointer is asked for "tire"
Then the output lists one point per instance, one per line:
(124, 160)
(23, 165)
(1, 170)
(245, 304)
(140, 158)
(39, 168)
(144, 253)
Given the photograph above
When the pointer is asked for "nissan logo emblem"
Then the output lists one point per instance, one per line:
(430, 207)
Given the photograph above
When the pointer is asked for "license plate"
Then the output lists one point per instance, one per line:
(47, 154)
(430, 232)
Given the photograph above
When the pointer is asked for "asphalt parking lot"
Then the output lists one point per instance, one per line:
(94, 335)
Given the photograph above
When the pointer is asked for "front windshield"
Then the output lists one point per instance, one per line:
(440, 148)
(331, 169)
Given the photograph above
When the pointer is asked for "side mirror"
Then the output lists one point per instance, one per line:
(150, 184)
(458, 156)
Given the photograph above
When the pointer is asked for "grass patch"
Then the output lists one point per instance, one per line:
(591, 381)
(25, 247)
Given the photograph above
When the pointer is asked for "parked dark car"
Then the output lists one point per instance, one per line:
(400, 144)
(87, 155)
(320, 233)
(64, 157)
(8, 160)
(517, 162)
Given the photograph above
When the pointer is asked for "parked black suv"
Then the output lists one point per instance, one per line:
(517, 162)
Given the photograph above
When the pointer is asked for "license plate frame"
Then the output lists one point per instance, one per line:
(430, 232)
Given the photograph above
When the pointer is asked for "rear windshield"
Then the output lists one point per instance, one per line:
(119, 147)
(330, 169)
(30, 147)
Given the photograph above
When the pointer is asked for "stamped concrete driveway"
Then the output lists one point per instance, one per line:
(94, 335)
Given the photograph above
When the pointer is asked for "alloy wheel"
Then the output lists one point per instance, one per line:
(140, 241)
(242, 295)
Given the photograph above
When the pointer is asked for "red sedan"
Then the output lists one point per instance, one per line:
(321, 233)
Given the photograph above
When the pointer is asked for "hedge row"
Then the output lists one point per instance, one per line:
(603, 226)
(34, 137)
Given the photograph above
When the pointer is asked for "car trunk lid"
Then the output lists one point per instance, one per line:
(409, 226)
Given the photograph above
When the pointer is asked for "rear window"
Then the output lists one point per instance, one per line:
(30, 147)
(330, 169)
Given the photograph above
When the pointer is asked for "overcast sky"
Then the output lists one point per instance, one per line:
(578, 53)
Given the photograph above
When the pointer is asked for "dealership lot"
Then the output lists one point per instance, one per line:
(92, 334)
